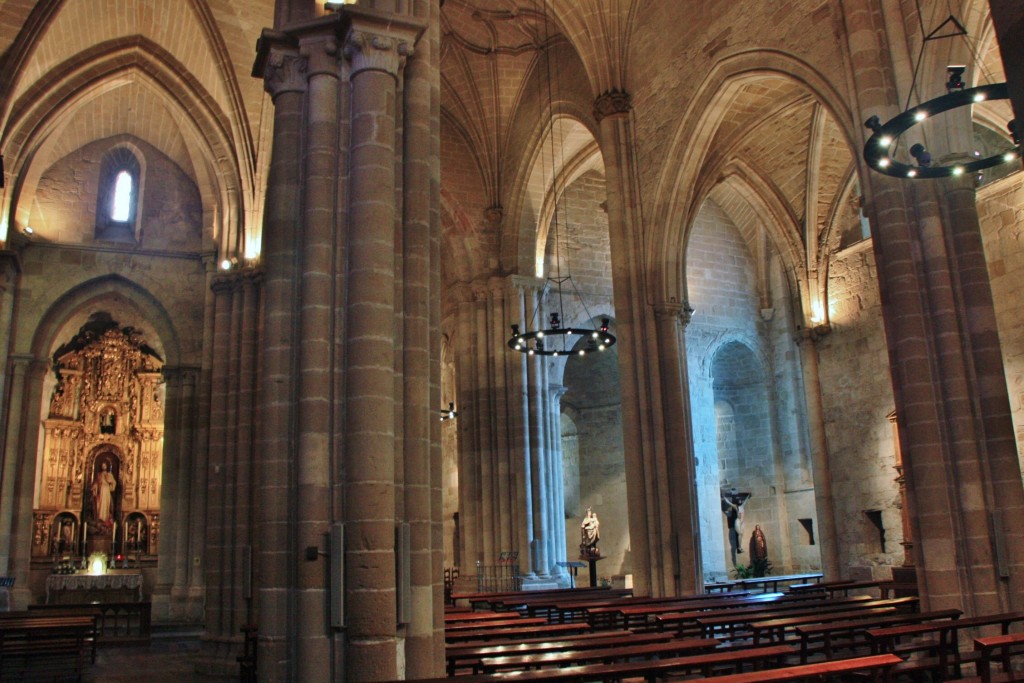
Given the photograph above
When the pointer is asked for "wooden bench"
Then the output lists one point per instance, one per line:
(45, 648)
(944, 650)
(488, 598)
(879, 666)
(684, 622)
(773, 581)
(769, 622)
(606, 654)
(493, 624)
(650, 670)
(1001, 648)
(510, 632)
(118, 623)
(628, 616)
(461, 656)
(773, 629)
(597, 611)
(854, 631)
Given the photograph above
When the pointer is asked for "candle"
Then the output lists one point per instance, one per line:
(85, 533)
(113, 538)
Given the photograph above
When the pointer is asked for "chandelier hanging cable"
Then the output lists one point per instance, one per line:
(878, 150)
(557, 340)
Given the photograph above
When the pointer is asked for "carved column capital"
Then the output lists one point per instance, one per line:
(672, 309)
(372, 51)
(321, 53)
(225, 283)
(612, 103)
(284, 71)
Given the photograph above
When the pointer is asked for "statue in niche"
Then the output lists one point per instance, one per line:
(108, 421)
(732, 507)
(590, 534)
(103, 489)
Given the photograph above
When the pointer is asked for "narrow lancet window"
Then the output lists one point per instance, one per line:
(121, 205)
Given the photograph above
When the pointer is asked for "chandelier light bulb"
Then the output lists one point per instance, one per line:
(884, 141)
(920, 115)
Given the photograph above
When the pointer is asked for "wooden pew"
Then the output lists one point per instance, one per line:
(770, 584)
(878, 666)
(944, 649)
(624, 651)
(498, 624)
(767, 623)
(650, 670)
(855, 630)
(538, 603)
(628, 615)
(601, 608)
(773, 630)
(468, 656)
(686, 622)
(1001, 648)
(510, 632)
(602, 612)
(462, 617)
(44, 648)
(117, 622)
(488, 598)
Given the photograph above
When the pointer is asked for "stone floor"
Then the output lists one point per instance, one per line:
(170, 658)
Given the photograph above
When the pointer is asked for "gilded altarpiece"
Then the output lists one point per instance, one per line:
(99, 487)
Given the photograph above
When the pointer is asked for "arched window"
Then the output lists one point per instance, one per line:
(118, 197)
(120, 209)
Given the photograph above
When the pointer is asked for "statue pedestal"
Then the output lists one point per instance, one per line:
(592, 560)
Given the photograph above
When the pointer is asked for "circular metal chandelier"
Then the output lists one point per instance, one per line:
(877, 150)
(554, 341)
(557, 340)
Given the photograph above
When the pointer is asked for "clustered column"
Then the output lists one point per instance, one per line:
(663, 527)
(509, 434)
(962, 474)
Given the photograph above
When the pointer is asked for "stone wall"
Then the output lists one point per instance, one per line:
(170, 211)
(857, 397)
(1001, 213)
(749, 415)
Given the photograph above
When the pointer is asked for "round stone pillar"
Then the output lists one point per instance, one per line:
(377, 57)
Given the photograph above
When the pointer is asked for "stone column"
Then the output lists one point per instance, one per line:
(377, 47)
(247, 302)
(558, 544)
(218, 513)
(963, 480)
(421, 395)
(283, 70)
(318, 245)
(23, 442)
(176, 508)
(648, 424)
(675, 387)
(12, 421)
(827, 536)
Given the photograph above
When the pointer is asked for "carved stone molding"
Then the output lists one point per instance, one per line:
(673, 309)
(284, 72)
(321, 55)
(494, 214)
(369, 51)
(612, 103)
(224, 283)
